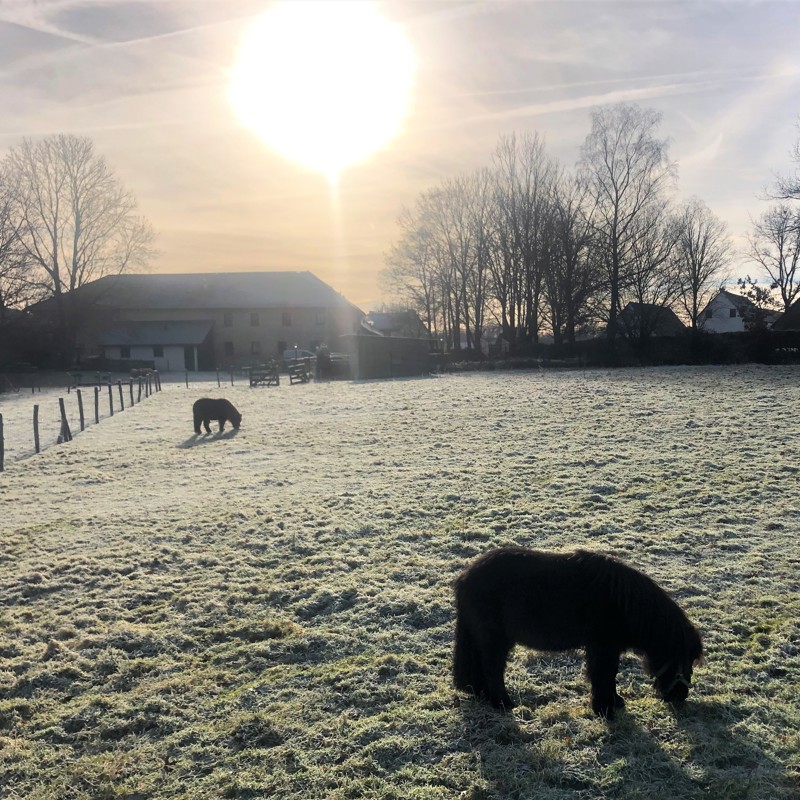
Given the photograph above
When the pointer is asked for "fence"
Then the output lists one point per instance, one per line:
(104, 401)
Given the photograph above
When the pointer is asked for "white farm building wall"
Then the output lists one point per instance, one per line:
(172, 360)
(724, 317)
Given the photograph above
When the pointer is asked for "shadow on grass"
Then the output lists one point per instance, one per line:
(708, 758)
(733, 764)
(206, 438)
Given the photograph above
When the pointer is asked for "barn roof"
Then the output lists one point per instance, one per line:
(212, 290)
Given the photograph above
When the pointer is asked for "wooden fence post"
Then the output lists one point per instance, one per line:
(121, 401)
(218, 383)
(130, 383)
(36, 427)
(139, 397)
(187, 378)
(110, 401)
(231, 377)
(66, 433)
(80, 408)
(158, 381)
(96, 405)
(2, 444)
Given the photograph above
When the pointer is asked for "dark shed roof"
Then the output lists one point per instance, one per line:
(157, 333)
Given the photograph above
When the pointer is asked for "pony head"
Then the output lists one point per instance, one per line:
(674, 679)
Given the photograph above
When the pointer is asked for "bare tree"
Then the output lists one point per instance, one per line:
(572, 278)
(441, 260)
(74, 220)
(774, 244)
(787, 187)
(652, 277)
(627, 172)
(14, 289)
(459, 215)
(701, 258)
(412, 272)
(525, 175)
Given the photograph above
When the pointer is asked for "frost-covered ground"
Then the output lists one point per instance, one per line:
(268, 613)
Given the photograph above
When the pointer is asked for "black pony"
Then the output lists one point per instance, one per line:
(562, 601)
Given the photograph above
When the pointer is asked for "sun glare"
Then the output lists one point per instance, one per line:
(323, 82)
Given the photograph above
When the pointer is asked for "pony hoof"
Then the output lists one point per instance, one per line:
(607, 712)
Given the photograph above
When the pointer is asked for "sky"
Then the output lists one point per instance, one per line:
(149, 82)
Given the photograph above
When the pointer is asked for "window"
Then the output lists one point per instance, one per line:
(228, 348)
(158, 351)
(255, 348)
(125, 351)
(254, 321)
(320, 317)
(286, 319)
(227, 319)
(733, 313)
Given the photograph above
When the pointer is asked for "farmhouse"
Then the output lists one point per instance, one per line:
(727, 312)
(207, 320)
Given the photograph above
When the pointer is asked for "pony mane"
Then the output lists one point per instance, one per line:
(653, 617)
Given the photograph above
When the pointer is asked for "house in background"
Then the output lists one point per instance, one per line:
(201, 321)
(727, 312)
(642, 320)
(790, 319)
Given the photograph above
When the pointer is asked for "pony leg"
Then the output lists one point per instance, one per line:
(602, 664)
(467, 670)
(494, 654)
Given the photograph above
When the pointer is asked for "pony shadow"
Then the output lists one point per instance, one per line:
(512, 761)
(728, 755)
(207, 438)
(631, 760)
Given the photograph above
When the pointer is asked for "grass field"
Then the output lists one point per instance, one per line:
(268, 613)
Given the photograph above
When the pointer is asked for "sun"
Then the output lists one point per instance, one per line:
(325, 83)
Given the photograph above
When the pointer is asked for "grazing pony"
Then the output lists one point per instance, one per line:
(563, 601)
(207, 409)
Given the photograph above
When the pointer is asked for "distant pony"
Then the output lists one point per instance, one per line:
(208, 408)
(563, 601)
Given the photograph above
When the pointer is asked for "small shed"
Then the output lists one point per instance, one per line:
(170, 345)
(386, 356)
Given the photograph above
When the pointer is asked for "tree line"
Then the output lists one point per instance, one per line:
(530, 246)
(65, 219)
